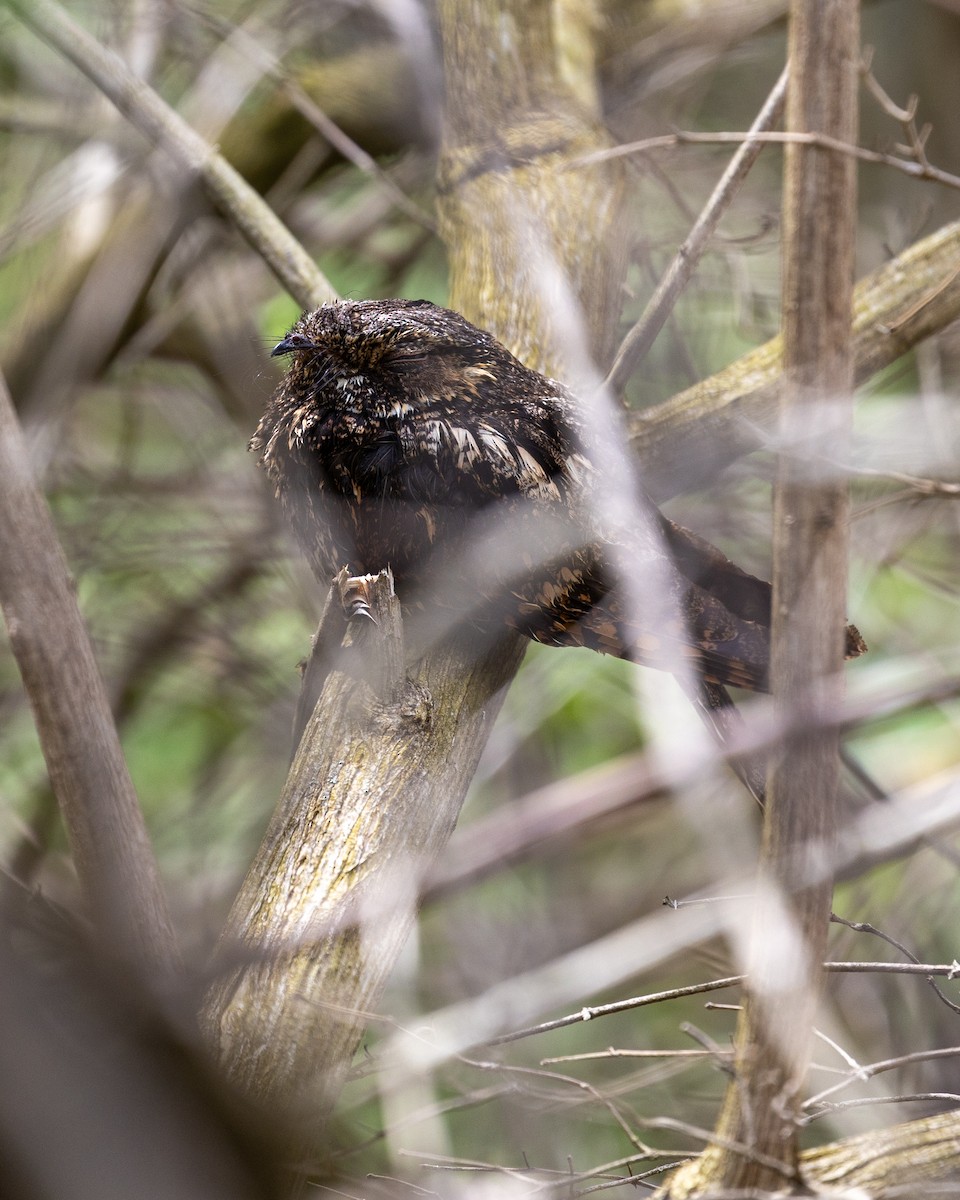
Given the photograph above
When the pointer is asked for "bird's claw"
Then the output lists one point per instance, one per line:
(355, 596)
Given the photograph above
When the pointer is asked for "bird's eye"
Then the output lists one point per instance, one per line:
(401, 359)
(292, 343)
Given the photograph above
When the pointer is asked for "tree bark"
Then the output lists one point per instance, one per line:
(372, 796)
(889, 1161)
(756, 1139)
(524, 229)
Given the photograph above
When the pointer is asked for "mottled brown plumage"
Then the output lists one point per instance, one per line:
(403, 436)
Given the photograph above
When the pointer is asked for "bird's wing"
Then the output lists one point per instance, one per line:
(446, 459)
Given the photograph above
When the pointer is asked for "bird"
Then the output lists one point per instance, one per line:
(404, 436)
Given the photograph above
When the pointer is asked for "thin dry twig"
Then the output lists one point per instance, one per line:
(561, 811)
(866, 927)
(711, 1137)
(863, 1072)
(618, 1052)
(913, 483)
(916, 139)
(868, 1102)
(551, 1178)
(589, 1013)
(669, 141)
(567, 1081)
(641, 337)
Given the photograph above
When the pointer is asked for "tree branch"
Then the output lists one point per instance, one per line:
(330, 898)
(264, 231)
(687, 440)
(761, 1107)
(378, 781)
(111, 849)
(895, 1161)
(641, 337)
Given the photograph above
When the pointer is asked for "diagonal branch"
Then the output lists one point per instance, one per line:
(687, 440)
(158, 122)
(641, 337)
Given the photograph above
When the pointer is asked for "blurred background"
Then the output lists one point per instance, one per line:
(135, 330)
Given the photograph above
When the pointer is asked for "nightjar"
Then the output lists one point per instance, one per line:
(404, 436)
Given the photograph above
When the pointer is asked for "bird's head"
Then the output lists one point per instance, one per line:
(375, 348)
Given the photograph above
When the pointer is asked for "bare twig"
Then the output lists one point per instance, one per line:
(863, 1072)
(947, 970)
(669, 141)
(566, 1081)
(743, 1149)
(913, 483)
(605, 1010)
(916, 139)
(904, 115)
(589, 1013)
(617, 1052)
(866, 927)
(869, 1101)
(548, 1179)
(641, 337)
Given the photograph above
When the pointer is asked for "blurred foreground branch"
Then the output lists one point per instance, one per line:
(108, 837)
(688, 439)
(265, 232)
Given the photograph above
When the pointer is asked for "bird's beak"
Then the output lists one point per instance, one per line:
(292, 342)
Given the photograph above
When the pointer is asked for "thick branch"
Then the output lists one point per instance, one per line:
(108, 837)
(894, 1161)
(331, 895)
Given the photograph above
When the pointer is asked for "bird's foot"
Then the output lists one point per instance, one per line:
(356, 596)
